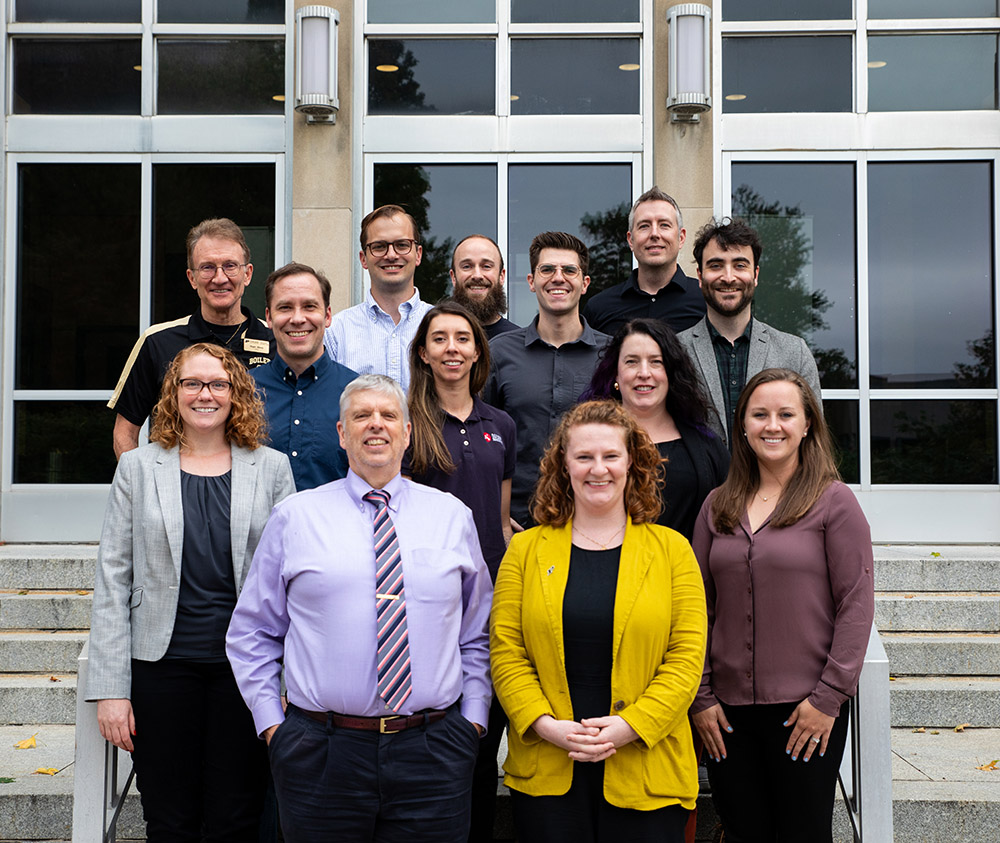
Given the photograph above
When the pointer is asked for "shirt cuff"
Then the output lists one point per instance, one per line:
(476, 711)
(267, 714)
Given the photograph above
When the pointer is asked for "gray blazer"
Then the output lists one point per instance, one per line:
(769, 349)
(139, 558)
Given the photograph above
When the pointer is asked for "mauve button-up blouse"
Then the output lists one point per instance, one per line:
(790, 609)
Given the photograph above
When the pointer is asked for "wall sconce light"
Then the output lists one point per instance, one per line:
(689, 91)
(316, 29)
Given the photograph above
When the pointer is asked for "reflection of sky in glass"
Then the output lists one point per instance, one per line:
(573, 11)
(787, 9)
(221, 11)
(431, 11)
(94, 11)
(930, 269)
(823, 194)
(878, 9)
(932, 72)
(554, 197)
(793, 73)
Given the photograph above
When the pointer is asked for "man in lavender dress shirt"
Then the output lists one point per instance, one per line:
(346, 766)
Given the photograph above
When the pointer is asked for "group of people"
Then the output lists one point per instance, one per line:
(621, 547)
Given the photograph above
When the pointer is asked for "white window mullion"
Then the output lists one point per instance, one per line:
(863, 322)
(145, 242)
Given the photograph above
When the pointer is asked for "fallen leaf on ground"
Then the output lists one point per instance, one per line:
(24, 591)
(919, 731)
(935, 732)
(892, 678)
(961, 727)
(54, 679)
(27, 743)
(935, 554)
(6, 780)
(991, 766)
(46, 771)
(909, 596)
(82, 591)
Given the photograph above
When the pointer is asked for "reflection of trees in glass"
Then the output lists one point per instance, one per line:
(783, 298)
(409, 185)
(63, 442)
(979, 372)
(396, 92)
(610, 256)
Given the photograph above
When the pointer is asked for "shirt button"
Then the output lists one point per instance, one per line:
(652, 298)
(749, 675)
(295, 453)
(466, 442)
(299, 392)
(733, 382)
(749, 590)
(462, 431)
(749, 646)
(619, 705)
(749, 618)
(296, 421)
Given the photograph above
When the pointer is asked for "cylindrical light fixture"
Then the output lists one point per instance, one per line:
(689, 88)
(316, 30)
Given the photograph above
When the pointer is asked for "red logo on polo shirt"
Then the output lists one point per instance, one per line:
(492, 437)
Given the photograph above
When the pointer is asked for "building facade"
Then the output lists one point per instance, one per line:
(860, 136)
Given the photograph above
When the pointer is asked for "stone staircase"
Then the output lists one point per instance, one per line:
(938, 609)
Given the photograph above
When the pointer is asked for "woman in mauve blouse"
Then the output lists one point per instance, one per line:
(786, 555)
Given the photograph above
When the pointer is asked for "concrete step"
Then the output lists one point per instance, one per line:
(47, 566)
(37, 698)
(937, 568)
(38, 610)
(944, 702)
(37, 652)
(935, 612)
(943, 653)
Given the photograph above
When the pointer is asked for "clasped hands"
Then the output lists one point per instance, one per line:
(592, 739)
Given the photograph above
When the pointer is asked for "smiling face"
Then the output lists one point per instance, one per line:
(374, 435)
(775, 424)
(642, 377)
(558, 294)
(203, 412)
(727, 278)
(450, 348)
(298, 316)
(477, 278)
(391, 272)
(655, 238)
(597, 461)
(220, 295)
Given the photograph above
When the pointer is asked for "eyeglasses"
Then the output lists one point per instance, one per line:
(547, 270)
(193, 386)
(377, 248)
(207, 270)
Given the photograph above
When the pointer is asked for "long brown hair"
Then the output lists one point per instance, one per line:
(246, 425)
(553, 502)
(427, 444)
(816, 471)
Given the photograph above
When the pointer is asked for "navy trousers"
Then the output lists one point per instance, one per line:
(484, 778)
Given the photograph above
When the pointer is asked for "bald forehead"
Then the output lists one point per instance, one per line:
(475, 245)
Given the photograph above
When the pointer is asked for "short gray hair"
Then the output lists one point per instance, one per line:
(654, 194)
(374, 383)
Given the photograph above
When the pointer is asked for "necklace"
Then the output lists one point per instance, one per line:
(603, 545)
(766, 498)
(242, 323)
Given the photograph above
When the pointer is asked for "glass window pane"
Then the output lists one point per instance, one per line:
(842, 418)
(186, 194)
(449, 202)
(574, 76)
(74, 76)
(93, 11)
(63, 442)
(77, 274)
(787, 10)
(805, 216)
(934, 441)
(932, 72)
(221, 11)
(931, 9)
(418, 76)
(931, 297)
(795, 73)
(238, 76)
(432, 11)
(573, 11)
(591, 201)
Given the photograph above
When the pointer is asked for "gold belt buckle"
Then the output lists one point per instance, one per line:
(382, 721)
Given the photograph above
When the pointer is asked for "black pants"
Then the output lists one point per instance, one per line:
(760, 794)
(583, 815)
(484, 777)
(199, 765)
(338, 785)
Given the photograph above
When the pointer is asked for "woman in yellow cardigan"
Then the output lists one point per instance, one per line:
(598, 641)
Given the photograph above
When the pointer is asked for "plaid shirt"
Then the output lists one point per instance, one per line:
(732, 359)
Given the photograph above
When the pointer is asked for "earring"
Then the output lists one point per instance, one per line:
(617, 388)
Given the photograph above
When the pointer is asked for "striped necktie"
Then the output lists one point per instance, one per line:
(390, 602)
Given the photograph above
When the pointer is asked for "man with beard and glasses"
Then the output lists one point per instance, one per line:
(477, 280)
(729, 346)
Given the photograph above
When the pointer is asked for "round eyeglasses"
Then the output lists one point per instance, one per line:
(377, 248)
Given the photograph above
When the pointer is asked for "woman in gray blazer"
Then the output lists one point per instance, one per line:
(183, 520)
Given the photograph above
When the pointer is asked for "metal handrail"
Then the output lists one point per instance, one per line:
(99, 767)
(866, 771)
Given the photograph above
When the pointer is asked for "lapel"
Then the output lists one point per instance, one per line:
(554, 546)
(706, 360)
(167, 476)
(635, 561)
(245, 472)
(757, 361)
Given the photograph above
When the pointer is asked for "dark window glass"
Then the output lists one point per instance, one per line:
(74, 76)
(573, 11)
(93, 11)
(183, 195)
(590, 201)
(574, 76)
(421, 76)
(930, 253)
(842, 418)
(432, 11)
(221, 11)
(449, 202)
(787, 10)
(931, 9)
(805, 216)
(934, 441)
(63, 442)
(794, 73)
(932, 72)
(77, 274)
(239, 76)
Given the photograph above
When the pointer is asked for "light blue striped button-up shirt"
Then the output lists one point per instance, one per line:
(365, 338)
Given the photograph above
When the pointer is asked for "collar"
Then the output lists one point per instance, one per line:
(198, 329)
(373, 308)
(357, 488)
(717, 337)
(588, 337)
(678, 278)
(313, 372)
(481, 411)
